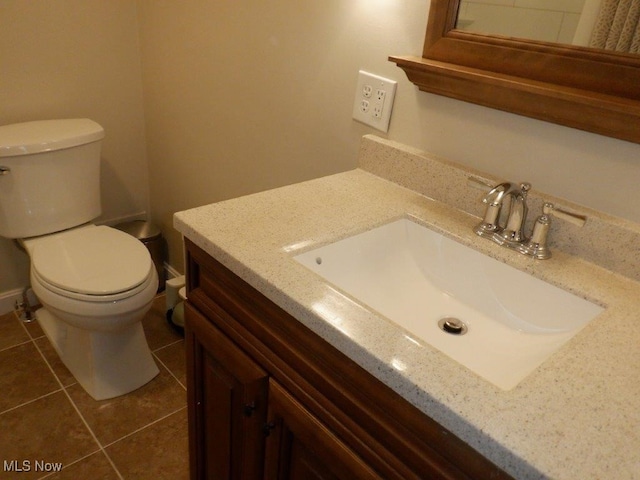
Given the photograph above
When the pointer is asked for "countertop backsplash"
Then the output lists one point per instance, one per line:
(607, 241)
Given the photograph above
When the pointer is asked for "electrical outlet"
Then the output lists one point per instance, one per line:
(374, 100)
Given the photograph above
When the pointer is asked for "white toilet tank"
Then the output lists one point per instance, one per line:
(49, 176)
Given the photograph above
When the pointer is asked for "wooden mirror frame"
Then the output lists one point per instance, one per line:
(579, 87)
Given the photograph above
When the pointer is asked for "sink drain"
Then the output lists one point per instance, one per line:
(452, 325)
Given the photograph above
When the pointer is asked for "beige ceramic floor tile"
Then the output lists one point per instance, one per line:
(52, 357)
(47, 430)
(34, 329)
(24, 376)
(94, 467)
(112, 419)
(173, 357)
(159, 451)
(156, 328)
(11, 332)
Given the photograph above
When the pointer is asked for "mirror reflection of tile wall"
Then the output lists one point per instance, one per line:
(546, 20)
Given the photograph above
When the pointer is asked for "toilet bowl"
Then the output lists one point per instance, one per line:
(95, 282)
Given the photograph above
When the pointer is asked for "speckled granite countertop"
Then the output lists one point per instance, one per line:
(576, 417)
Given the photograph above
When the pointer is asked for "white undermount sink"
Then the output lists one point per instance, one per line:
(415, 277)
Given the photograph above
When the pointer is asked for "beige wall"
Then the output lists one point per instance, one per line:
(76, 58)
(245, 96)
(241, 96)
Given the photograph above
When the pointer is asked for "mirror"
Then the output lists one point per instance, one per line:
(604, 24)
(592, 89)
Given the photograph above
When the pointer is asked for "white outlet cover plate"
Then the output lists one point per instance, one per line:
(371, 108)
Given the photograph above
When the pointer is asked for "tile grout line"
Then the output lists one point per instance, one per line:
(24, 323)
(72, 463)
(168, 345)
(24, 328)
(31, 401)
(16, 345)
(30, 339)
(73, 404)
(168, 369)
(145, 426)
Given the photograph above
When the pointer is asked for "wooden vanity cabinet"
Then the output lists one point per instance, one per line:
(300, 446)
(270, 399)
(227, 405)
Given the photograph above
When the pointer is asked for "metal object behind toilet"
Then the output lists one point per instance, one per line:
(151, 236)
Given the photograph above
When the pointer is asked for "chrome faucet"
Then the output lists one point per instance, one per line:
(512, 235)
(489, 225)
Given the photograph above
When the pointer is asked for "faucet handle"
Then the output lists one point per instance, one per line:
(574, 218)
(537, 247)
(479, 184)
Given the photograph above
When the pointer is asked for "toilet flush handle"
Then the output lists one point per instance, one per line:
(4, 170)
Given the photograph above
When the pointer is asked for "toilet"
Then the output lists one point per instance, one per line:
(95, 283)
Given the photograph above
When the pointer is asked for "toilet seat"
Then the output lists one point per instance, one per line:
(94, 263)
(109, 297)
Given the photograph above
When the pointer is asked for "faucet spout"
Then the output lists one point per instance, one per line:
(513, 233)
(494, 199)
(499, 192)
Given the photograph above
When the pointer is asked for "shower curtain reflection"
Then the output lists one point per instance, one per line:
(618, 26)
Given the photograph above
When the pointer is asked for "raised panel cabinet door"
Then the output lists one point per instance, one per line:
(300, 447)
(227, 404)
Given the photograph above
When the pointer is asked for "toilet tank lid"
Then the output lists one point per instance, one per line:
(47, 135)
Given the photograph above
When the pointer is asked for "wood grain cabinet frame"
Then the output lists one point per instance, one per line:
(588, 89)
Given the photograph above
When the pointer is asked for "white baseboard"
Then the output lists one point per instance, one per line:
(8, 299)
(171, 272)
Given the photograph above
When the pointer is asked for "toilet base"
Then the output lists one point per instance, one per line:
(105, 364)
